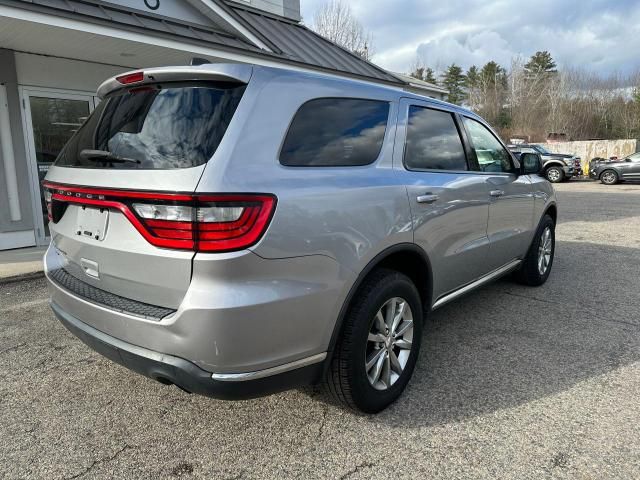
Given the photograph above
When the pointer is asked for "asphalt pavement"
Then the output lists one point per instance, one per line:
(512, 383)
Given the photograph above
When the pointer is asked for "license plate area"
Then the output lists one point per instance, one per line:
(92, 222)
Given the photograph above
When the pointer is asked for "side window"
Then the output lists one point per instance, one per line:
(492, 156)
(334, 132)
(433, 141)
(635, 157)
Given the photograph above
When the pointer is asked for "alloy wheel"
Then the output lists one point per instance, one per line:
(389, 343)
(553, 175)
(609, 177)
(545, 250)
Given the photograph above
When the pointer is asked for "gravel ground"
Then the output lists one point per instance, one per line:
(512, 382)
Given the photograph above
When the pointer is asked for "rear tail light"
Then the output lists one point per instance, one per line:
(205, 223)
(47, 199)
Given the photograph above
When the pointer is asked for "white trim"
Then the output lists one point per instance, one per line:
(8, 157)
(232, 22)
(144, 38)
(27, 129)
(25, 238)
(195, 50)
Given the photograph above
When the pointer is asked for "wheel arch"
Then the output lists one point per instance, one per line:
(553, 163)
(552, 211)
(406, 258)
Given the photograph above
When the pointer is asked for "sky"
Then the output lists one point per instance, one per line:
(602, 36)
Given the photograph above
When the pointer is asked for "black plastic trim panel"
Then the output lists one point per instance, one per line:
(106, 299)
(186, 375)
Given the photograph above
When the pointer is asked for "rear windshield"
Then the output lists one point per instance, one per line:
(159, 127)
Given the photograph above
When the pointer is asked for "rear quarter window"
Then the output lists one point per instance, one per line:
(334, 132)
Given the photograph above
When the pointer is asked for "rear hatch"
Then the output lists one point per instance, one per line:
(120, 195)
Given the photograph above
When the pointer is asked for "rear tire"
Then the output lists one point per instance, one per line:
(554, 174)
(536, 266)
(363, 342)
(609, 177)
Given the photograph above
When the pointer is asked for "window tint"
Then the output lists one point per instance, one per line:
(492, 156)
(433, 141)
(331, 132)
(174, 127)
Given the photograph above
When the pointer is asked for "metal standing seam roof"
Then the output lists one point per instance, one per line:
(294, 42)
(297, 42)
(115, 14)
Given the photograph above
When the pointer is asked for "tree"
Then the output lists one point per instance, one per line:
(472, 84)
(421, 71)
(335, 21)
(473, 77)
(454, 81)
(417, 73)
(430, 76)
(493, 74)
(486, 92)
(541, 62)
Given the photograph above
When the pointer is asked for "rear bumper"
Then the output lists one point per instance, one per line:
(186, 375)
(241, 314)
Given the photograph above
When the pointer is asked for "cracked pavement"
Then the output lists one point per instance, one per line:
(512, 383)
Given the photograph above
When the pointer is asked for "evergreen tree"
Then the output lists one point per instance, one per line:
(425, 74)
(473, 77)
(493, 74)
(454, 81)
(429, 76)
(541, 62)
(418, 73)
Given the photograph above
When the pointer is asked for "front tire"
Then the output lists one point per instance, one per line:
(555, 174)
(609, 177)
(536, 266)
(377, 351)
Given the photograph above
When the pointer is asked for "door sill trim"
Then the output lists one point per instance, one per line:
(477, 283)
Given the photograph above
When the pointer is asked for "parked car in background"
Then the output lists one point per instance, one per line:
(616, 171)
(557, 167)
(237, 230)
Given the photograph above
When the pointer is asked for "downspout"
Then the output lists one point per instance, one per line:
(8, 157)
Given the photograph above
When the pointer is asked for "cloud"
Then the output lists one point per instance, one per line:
(598, 35)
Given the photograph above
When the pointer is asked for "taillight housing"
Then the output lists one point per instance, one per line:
(129, 78)
(47, 199)
(198, 222)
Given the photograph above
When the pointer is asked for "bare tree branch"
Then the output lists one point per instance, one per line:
(335, 21)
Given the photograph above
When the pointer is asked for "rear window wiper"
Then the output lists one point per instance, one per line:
(104, 156)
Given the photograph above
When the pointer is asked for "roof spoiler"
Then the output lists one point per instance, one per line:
(222, 72)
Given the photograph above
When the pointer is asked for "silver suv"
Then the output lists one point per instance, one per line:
(238, 230)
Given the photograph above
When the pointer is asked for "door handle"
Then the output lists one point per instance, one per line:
(427, 198)
(496, 193)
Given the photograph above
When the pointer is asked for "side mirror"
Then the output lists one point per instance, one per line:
(530, 163)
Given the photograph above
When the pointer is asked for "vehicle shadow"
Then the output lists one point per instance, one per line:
(507, 345)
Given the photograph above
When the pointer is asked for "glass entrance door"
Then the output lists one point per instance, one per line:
(51, 118)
